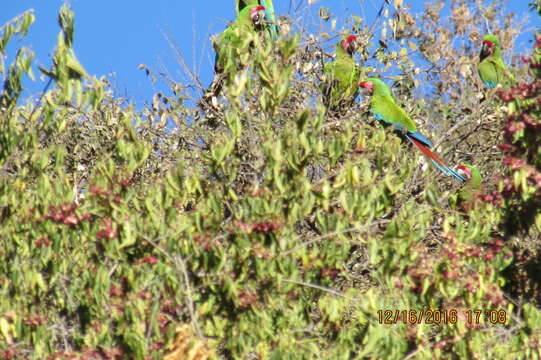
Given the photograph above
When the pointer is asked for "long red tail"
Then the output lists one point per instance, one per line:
(436, 159)
(426, 151)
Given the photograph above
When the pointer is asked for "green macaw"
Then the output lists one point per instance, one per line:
(389, 113)
(235, 40)
(270, 16)
(466, 195)
(492, 69)
(341, 76)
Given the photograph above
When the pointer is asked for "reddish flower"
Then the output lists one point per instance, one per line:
(330, 273)
(71, 220)
(265, 227)
(42, 241)
(247, 298)
(152, 260)
(107, 231)
(115, 291)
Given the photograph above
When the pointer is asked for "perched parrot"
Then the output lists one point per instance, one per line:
(389, 113)
(270, 16)
(491, 67)
(465, 196)
(341, 76)
(232, 42)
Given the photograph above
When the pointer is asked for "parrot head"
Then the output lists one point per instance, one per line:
(464, 170)
(376, 86)
(257, 14)
(490, 42)
(349, 44)
(367, 85)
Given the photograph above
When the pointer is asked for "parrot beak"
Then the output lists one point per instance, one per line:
(464, 171)
(367, 85)
(257, 14)
(488, 47)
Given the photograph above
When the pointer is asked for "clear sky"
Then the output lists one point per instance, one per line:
(112, 37)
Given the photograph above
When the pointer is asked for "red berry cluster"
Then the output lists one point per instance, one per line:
(521, 146)
(453, 263)
(107, 231)
(65, 214)
(262, 227)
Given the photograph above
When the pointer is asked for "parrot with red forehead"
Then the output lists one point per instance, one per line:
(234, 41)
(341, 76)
(466, 195)
(491, 68)
(389, 113)
(270, 16)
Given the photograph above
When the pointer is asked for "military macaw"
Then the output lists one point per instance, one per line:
(491, 66)
(270, 16)
(232, 42)
(465, 196)
(389, 113)
(341, 76)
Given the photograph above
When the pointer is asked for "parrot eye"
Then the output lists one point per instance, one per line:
(488, 47)
(257, 14)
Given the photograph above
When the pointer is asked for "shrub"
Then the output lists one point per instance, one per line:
(262, 227)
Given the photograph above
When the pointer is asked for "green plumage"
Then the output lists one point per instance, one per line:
(341, 77)
(241, 4)
(385, 109)
(491, 68)
(467, 192)
(232, 49)
(389, 113)
(465, 196)
(235, 39)
(270, 16)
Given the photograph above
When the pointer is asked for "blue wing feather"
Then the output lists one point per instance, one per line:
(417, 135)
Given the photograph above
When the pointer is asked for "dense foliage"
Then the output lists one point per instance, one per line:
(261, 226)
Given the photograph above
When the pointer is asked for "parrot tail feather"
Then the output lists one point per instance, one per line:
(449, 171)
(420, 137)
(270, 16)
(436, 159)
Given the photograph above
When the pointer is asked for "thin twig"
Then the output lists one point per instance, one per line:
(314, 286)
(334, 233)
(180, 266)
(180, 58)
(40, 98)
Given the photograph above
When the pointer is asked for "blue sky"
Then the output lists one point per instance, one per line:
(112, 37)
